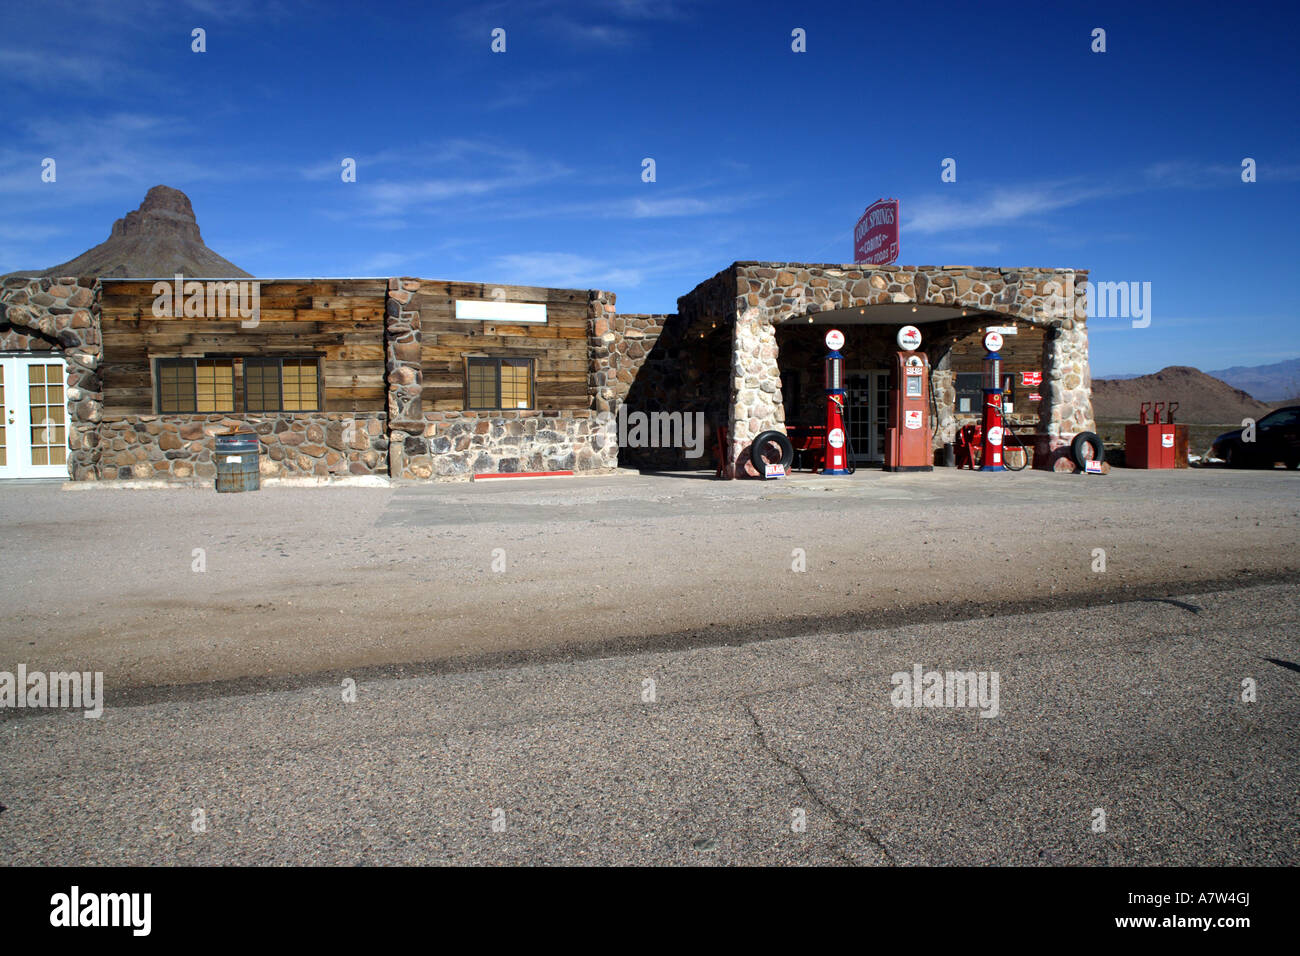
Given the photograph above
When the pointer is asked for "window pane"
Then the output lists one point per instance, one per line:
(260, 392)
(176, 387)
(214, 385)
(300, 381)
(515, 390)
(482, 384)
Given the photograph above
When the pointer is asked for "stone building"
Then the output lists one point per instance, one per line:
(417, 379)
(765, 321)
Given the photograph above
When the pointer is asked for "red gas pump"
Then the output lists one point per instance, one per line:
(993, 404)
(907, 447)
(836, 460)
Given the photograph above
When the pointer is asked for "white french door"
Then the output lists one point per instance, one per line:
(33, 417)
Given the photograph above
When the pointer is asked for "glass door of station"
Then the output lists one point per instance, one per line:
(868, 414)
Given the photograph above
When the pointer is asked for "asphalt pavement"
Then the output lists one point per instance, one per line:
(1121, 736)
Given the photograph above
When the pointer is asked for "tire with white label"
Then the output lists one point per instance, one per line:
(1087, 446)
(761, 453)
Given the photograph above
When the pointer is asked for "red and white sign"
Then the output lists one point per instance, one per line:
(1092, 467)
(835, 340)
(775, 470)
(909, 338)
(1167, 440)
(1035, 397)
(912, 418)
(836, 438)
(995, 435)
(993, 341)
(875, 237)
(1031, 378)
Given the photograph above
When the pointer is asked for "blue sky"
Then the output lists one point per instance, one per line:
(525, 166)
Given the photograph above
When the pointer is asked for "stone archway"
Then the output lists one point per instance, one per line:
(770, 293)
(64, 311)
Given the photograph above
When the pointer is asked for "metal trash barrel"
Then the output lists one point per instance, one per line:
(237, 462)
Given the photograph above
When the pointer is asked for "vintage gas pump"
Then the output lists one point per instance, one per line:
(993, 404)
(908, 444)
(836, 460)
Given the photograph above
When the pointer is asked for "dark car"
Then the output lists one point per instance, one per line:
(1277, 438)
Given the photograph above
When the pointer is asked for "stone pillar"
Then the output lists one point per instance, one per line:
(756, 401)
(1067, 406)
(943, 382)
(602, 368)
(405, 382)
(1069, 380)
(597, 447)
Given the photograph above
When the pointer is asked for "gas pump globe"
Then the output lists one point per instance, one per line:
(993, 404)
(836, 460)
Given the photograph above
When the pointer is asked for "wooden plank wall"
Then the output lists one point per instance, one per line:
(341, 319)
(559, 348)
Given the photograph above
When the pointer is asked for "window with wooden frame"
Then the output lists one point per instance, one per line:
(282, 384)
(498, 383)
(208, 385)
(196, 385)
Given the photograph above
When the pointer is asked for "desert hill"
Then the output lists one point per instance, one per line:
(1202, 399)
(161, 238)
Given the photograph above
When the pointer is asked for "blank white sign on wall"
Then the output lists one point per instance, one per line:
(508, 313)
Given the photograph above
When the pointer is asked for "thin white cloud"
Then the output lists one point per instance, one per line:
(972, 248)
(587, 24)
(935, 213)
(48, 69)
(681, 206)
(27, 232)
(564, 270)
(1189, 174)
(382, 262)
(666, 207)
(591, 34)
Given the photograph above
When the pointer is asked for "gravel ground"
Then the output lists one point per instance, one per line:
(401, 580)
(1132, 709)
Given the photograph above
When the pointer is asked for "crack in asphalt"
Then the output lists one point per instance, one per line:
(839, 818)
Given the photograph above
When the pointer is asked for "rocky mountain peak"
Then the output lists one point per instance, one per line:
(157, 240)
(164, 212)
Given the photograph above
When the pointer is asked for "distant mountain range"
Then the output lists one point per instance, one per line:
(161, 238)
(1202, 399)
(1268, 383)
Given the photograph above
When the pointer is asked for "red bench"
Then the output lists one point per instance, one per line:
(808, 440)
